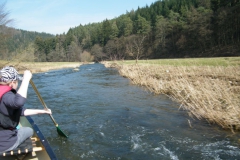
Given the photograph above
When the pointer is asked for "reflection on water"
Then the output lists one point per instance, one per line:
(106, 117)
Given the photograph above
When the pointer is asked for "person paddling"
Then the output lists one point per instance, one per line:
(11, 108)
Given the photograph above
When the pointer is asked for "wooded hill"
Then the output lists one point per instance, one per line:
(17, 44)
(165, 29)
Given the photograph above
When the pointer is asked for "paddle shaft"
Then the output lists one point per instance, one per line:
(43, 103)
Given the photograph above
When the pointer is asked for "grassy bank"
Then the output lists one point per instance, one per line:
(207, 88)
(226, 61)
(37, 67)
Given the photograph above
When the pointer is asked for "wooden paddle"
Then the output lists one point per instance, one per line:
(60, 132)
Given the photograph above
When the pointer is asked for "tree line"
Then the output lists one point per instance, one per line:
(165, 29)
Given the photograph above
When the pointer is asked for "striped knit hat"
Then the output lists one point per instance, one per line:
(8, 74)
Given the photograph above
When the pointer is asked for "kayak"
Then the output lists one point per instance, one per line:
(39, 149)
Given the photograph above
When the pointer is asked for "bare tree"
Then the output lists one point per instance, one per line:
(75, 51)
(5, 31)
(4, 20)
(110, 49)
(135, 46)
(86, 57)
(3, 15)
(97, 52)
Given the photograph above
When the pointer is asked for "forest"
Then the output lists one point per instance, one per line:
(165, 29)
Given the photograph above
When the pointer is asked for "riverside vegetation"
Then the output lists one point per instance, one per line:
(36, 67)
(208, 88)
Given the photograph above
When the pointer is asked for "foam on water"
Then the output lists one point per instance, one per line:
(170, 153)
(136, 142)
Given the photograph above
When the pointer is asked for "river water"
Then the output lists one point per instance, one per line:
(108, 118)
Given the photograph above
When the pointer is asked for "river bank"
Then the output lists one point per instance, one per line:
(37, 67)
(204, 91)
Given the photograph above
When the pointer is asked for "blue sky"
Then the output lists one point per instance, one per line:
(57, 16)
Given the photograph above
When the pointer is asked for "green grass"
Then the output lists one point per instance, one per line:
(222, 61)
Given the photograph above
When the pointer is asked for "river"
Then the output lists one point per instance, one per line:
(108, 118)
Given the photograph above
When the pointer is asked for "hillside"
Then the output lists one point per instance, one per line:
(165, 29)
(22, 38)
(18, 44)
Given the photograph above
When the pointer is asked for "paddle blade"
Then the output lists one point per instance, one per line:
(60, 132)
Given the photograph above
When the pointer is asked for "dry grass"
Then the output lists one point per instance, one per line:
(206, 92)
(37, 67)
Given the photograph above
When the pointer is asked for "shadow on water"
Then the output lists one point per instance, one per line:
(106, 117)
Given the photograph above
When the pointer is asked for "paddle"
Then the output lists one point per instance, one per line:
(60, 132)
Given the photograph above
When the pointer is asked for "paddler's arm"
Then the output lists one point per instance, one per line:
(29, 112)
(24, 85)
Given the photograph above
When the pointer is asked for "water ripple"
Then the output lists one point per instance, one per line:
(106, 117)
